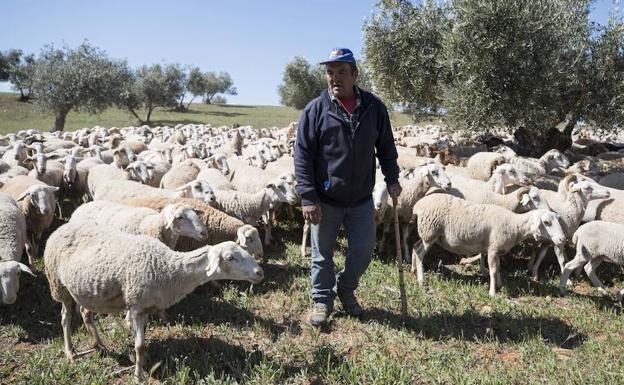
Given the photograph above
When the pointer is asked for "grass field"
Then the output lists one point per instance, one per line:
(15, 115)
(239, 334)
(455, 333)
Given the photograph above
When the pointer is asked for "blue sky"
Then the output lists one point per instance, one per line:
(252, 40)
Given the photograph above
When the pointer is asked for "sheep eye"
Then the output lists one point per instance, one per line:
(434, 173)
(547, 223)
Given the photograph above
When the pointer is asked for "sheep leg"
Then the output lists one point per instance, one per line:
(87, 318)
(418, 255)
(66, 325)
(590, 269)
(138, 325)
(406, 233)
(267, 233)
(29, 252)
(469, 260)
(382, 242)
(494, 266)
(536, 265)
(578, 261)
(482, 268)
(304, 238)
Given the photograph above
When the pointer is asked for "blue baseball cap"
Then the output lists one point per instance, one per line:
(340, 54)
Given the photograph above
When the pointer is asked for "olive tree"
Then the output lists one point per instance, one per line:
(534, 67)
(195, 84)
(151, 87)
(301, 83)
(81, 79)
(18, 69)
(403, 46)
(221, 83)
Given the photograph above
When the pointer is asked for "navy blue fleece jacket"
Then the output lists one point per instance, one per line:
(334, 166)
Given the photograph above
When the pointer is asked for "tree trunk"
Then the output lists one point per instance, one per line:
(189, 103)
(59, 121)
(133, 112)
(148, 114)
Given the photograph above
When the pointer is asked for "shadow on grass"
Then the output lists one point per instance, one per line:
(476, 326)
(34, 311)
(203, 356)
(172, 123)
(200, 308)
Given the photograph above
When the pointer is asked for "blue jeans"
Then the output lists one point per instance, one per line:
(359, 224)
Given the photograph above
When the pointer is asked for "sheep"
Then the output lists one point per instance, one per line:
(595, 242)
(552, 160)
(173, 221)
(180, 174)
(221, 227)
(250, 208)
(108, 271)
(609, 210)
(10, 272)
(215, 179)
(17, 154)
(462, 227)
(37, 202)
(476, 191)
(118, 190)
(430, 175)
(12, 229)
(571, 210)
(481, 165)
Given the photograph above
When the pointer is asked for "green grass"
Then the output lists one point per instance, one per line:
(455, 333)
(15, 115)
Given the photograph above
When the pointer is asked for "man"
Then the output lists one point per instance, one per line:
(339, 134)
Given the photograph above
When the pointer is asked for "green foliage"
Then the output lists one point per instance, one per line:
(195, 84)
(221, 83)
(486, 63)
(18, 69)
(153, 86)
(82, 79)
(403, 44)
(301, 83)
(516, 63)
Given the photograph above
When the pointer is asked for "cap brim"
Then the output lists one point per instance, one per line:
(338, 60)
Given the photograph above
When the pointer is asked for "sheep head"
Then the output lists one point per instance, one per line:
(227, 260)
(546, 225)
(10, 272)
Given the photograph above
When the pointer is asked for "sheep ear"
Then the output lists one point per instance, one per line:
(438, 158)
(214, 261)
(525, 199)
(25, 269)
(24, 195)
(183, 187)
(574, 187)
(168, 213)
(270, 185)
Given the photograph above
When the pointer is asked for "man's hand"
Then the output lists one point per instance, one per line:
(394, 190)
(312, 213)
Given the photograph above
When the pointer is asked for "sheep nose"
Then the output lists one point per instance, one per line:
(259, 272)
(8, 300)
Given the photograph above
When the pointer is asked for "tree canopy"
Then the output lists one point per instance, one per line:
(83, 79)
(480, 64)
(301, 83)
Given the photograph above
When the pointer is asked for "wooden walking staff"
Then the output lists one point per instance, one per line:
(397, 237)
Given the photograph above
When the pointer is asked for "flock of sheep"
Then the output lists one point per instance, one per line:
(152, 213)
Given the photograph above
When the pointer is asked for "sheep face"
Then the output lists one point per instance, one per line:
(532, 200)
(227, 260)
(20, 151)
(138, 171)
(198, 189)
(184, 221)
(556, 159)
(248, 238)
(280, 191)
(123, 157)
(589, 190)
(508, 174)
(436, 174)
(41, 197)
(547, 226)
(10, 272)
(69, 171)
(380, 197)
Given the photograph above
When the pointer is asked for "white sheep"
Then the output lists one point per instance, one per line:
(571, 210)
(552, 160)
(221, 227)
(175, 220)
(37, 202)
(466, 228)
(10, 272)
(108, 271)
(119, 190)
(596, 242)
